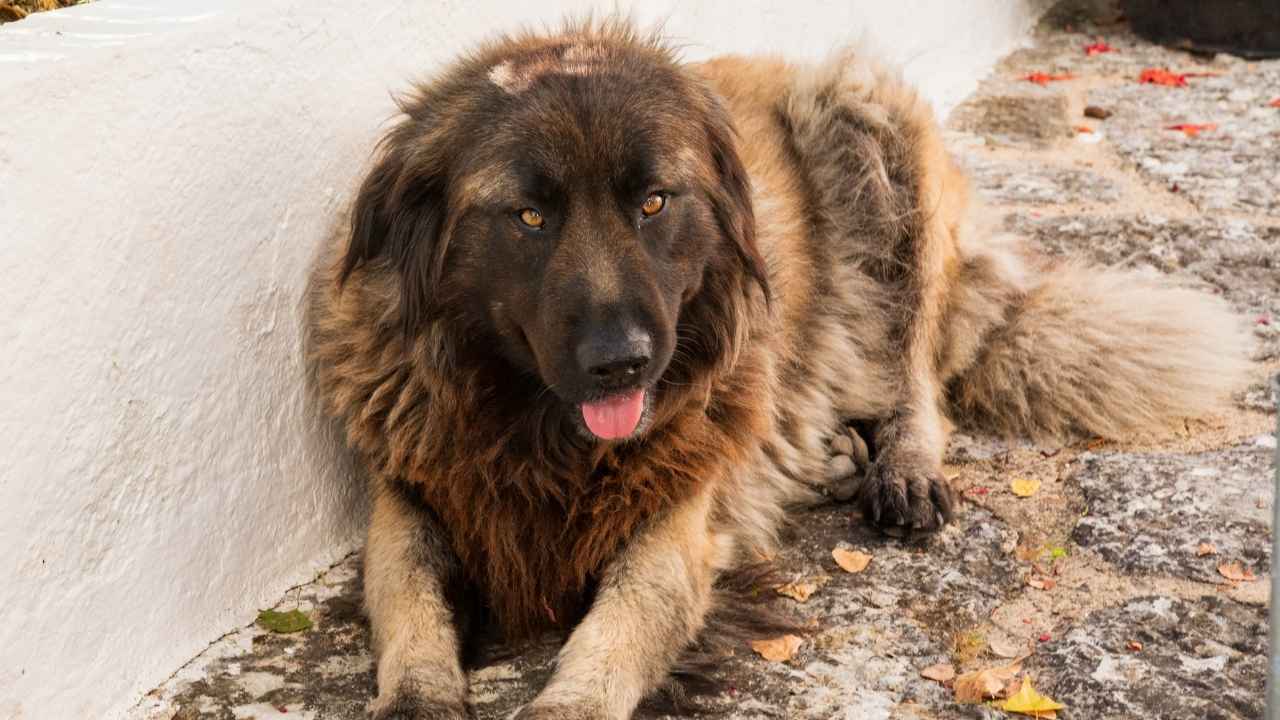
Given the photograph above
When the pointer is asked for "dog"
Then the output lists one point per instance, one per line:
(600, 312)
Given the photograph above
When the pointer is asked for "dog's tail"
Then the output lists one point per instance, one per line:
(1067, 348)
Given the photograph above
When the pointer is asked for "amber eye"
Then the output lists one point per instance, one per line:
(653, 204)
(531, 217)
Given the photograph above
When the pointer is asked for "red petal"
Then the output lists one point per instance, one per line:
(1191, 129)
(1040, 78)
(1155, 76)
(1096, 49)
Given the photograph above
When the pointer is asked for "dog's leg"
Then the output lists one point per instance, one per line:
(905, 486)
(407, 567)
(650, 606)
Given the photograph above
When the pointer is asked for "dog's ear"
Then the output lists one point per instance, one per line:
(397, 220)
(731, 200)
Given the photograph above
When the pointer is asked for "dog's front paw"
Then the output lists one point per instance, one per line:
(904, 494)
(410, 707)
(536, 711)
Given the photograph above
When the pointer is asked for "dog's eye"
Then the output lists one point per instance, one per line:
(653, 204)
(531, 217)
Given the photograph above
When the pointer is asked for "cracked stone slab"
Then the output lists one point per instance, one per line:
(1148, 512)
(1199, 660)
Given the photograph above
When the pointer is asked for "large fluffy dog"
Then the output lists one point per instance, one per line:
(599, 313)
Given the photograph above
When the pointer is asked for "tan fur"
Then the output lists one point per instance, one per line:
(885, 307)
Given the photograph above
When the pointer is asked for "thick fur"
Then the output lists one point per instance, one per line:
(837, 278)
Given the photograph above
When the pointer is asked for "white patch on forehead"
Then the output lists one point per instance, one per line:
(504, 76)
(578, 60)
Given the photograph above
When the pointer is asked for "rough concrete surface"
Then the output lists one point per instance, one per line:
(1136, 620)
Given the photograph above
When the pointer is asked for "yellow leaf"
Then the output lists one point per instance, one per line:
(1029, 702)
(851, 560)
(779, 649)
(1022, 487)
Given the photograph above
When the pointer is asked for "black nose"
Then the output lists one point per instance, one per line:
(617, 357)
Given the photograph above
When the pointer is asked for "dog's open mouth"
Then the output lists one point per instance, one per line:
(616, 416)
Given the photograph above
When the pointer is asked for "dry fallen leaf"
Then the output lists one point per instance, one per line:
(976, 686)
(1029, 702)
(1084, 129)
(851, 561)
(1134, 645)
(943, 673)
(1022, 487)
(1236, 572)
(1206, 549)
(1040, 78)
(1192, 129)
(801, 590)
(1042, 583)
(779, 649)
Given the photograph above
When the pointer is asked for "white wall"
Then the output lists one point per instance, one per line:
(166, 169)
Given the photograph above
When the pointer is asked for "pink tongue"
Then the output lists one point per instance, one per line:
(614, 417)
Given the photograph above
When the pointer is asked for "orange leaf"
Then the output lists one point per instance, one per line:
(1156, 76)
(1097, 49)
(1191, 129)
(1084, 129)
(1040, 78)
(1274, 103)
(801, 590)
(851, 561)
(779, 649)
(1206, 549)
(1236, 573)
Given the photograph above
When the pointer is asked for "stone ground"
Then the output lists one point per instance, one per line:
(1099, 577)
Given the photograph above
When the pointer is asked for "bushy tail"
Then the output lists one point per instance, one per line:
(1096, 351)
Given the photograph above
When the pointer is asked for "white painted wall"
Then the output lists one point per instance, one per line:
(166, 169)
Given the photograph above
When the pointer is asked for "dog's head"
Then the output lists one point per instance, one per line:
(557, 202)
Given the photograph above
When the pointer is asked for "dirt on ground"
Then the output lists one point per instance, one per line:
(1130, 578)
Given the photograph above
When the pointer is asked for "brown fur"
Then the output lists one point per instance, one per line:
(841, 281)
